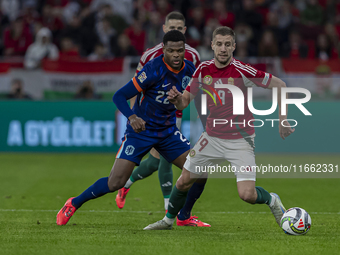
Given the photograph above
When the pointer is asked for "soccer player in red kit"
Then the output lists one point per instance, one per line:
(234, 143)
(173, 21)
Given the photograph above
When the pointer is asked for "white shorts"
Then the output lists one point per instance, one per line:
(212, 151)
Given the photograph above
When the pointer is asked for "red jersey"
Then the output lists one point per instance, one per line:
(190, 54)
(207, 76)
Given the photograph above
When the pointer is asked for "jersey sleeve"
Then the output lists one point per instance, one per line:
(147, 56)
(145, 78)
(254, 76)
(192, 55)
(194, 84)
(198, 61)
(262, 79)
(140, 66)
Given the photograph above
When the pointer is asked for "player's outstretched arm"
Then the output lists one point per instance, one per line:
(181, 101)
(285, 130)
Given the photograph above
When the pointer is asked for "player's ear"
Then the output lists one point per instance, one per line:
(234, 47)
(212, 45)
(164, 29)
(184, 29)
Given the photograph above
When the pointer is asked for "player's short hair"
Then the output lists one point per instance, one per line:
(174, 15)
(223, 31)
(173, 36)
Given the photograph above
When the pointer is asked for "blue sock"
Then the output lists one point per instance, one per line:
(97, 189)
(193, 194)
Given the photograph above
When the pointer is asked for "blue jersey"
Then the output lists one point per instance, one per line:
(154, 82)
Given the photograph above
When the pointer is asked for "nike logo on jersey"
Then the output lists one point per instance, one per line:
(163, 86)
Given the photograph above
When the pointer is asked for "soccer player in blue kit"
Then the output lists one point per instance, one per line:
(151, 122)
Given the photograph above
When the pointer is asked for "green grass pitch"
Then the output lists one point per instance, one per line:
(33, 187)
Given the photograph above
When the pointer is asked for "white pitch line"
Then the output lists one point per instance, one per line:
(99, 211)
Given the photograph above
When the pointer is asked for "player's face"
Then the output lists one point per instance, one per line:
(223, 47)
(174, 54)
(174, 24)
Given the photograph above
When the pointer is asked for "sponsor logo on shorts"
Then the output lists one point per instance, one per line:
(192, 153)
(142, 77)
(129, 150)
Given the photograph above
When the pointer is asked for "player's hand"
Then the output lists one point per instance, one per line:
(138, 124)
(174, 96)
(285, 130)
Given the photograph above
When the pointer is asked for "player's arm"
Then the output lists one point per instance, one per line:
(132, 101)
(120, 99)
(139, 68)
(283, 130)
(181, 101)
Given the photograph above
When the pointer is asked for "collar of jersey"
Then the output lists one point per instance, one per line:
(219, 69)
(173, 70)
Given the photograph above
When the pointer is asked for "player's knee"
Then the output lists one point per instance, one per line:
(116, 184)
(183, 185)
(247, 196)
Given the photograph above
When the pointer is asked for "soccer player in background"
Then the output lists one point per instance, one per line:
(173, 21)
(234, 143)
(151, 122)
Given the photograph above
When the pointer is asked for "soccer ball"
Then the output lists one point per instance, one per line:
(296, 221)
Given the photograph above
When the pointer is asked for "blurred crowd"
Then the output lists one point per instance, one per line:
(101, 29)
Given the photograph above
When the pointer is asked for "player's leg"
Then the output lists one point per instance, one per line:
(177, 198)
(128, 156)
(180, 190)
(240, 153)
(165, 174)
(252, 194)
(155, 153)
(202, 154)
(184, 218)
(165, 177)
(145, 169)
(179, 194)
(120, 172)
(247, 192)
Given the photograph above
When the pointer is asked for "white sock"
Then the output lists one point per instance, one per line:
(166, 203)
(273, 200)
(169, 220)
(128, 184)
